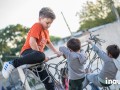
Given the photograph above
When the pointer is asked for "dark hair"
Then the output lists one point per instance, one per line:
(113, 50)
(74, 44)
(47, 13)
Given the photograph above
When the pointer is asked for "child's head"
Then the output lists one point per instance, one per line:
(74, 44)
(113, 51)
(46, 17)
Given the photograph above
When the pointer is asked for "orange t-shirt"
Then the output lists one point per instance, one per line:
(41, 35)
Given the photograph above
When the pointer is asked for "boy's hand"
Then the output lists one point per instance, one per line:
(59, 53)
(64, 56)
(46, 59)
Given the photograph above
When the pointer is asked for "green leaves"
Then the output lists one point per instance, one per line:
(11, 40)
(55, 39)
(95, 14)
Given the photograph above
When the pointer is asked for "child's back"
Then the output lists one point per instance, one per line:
(76, 59)
(109, 69)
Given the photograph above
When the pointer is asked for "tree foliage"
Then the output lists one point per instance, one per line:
(11, 40)
(95, 14)
(54, 39)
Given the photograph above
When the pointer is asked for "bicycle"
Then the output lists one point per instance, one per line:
(31, 79)
(95, 57)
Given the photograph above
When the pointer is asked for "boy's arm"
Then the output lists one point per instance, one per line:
(33, 44)
(64, 50)
(100, 52)
(34, 35)
(83, 57)
(51, 46)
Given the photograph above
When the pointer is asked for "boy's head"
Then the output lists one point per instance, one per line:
(74, 44)
(46, 17)
(113, 51)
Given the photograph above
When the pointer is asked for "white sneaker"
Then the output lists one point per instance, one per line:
(7, 69)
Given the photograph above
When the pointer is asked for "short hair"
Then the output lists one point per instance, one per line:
(113, 50)
(46, 12)
(74, 44)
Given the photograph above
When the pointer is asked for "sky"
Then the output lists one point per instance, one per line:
(25, 12)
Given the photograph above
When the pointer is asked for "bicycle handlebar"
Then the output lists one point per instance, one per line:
(96, 39)
(52, 56)
(93, 37)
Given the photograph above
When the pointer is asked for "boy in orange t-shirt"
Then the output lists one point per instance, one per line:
(33, 48)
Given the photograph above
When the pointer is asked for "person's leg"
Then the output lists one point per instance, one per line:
(29, 57)
(85, 82)
(94, 87)
(76, 84)
(47, 80)
(43, 74)
(71, 85)
(93, 78)
(79, 84)
(3, 88)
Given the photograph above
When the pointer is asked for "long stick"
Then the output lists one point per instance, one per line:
(67, 24)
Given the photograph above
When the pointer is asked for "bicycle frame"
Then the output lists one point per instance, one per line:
(24, 73)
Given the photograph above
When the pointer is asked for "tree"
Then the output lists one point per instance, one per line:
(11, 40)
(54, 39)
(95, 14)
